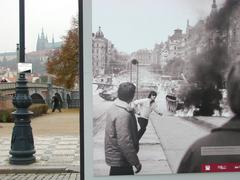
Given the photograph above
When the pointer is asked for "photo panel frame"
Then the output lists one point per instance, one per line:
(88, 137)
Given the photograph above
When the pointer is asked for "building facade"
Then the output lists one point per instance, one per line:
(144, 56)
(103, 54)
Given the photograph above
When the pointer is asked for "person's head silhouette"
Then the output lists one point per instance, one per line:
(233, 87)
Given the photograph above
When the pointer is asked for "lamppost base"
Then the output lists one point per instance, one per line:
(22, 160)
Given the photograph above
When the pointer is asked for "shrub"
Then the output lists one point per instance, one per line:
(37, 109)
(5, 115)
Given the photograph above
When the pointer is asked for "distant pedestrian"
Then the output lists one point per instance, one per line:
(3, 80)
(121, 144)
(56, 103)
(223, 142)
(143, 108)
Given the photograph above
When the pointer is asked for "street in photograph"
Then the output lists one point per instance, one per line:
(165, 86)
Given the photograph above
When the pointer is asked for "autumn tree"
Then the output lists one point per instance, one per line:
(63, 62)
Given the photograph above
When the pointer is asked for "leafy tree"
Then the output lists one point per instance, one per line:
(63, 62)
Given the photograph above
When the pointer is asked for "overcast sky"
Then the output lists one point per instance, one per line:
(136, 24)
(54, 16)
(129, 24)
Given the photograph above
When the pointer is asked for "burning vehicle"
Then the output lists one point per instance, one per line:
(174, 98)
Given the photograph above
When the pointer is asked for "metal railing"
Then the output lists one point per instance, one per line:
(12, 85)
(74, 103)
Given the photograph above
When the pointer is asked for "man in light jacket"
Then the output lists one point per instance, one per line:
(121, 144)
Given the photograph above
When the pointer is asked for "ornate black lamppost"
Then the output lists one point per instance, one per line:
(135, 62)
(22, 143)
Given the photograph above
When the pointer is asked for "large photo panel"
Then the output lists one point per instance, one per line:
(164, 77)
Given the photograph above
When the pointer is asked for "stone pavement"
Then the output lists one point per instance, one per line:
(215, 121)
(49, 176)
(151, 154)
(54, 154)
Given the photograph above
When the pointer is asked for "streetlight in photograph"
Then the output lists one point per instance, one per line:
(135, 62)
(22, 143)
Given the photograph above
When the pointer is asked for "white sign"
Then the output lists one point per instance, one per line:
(24, 67)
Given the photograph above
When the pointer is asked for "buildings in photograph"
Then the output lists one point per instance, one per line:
(157, 53)
(104, 54)
(144, 56)
(234, 35)
(182, 45)
(200, 38)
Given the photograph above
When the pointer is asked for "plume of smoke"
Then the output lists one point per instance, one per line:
(208, 68)
(207, 80)
(220, 21)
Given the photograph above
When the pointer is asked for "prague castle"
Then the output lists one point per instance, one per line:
(44, 44)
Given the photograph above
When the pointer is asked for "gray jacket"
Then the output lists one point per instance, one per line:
(121, 144)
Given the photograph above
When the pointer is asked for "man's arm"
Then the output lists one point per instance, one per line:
(155, 109)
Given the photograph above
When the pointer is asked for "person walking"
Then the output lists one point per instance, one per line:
(121, 144)
(221, 146)
(143, 108)
(56, 103)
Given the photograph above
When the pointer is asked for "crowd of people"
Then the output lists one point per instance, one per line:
(122, 135)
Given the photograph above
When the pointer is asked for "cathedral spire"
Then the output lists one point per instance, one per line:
(214, 8)
(53, 39)
(99, 34)
(42, 34)
(214, 5)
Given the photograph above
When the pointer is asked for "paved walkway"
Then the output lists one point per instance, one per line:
(49, 176)
(151, 154)
(56, 140)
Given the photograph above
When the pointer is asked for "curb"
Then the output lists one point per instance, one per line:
(201, 123)
(39, 169)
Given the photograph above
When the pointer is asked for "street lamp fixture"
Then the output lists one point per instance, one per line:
(135, 62)
(22, 143)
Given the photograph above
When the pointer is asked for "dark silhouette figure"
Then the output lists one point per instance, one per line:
(56, 103)
(4, 81)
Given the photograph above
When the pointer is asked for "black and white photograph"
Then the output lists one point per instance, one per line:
(165, 86)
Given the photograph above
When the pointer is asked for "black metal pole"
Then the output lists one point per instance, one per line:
(22, 143)
(131, 72)
(81, 89)
(137, 80)
(22, 29)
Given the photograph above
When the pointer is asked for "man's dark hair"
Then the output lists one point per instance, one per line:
(126, 91)
(233, 87)
(152, 93)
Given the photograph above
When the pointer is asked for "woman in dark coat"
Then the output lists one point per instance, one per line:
(220, 150)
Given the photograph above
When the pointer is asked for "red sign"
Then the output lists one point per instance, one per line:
(221, 167)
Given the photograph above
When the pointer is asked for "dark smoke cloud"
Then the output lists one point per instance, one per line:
(209, 68)
(221, 20)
